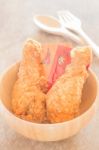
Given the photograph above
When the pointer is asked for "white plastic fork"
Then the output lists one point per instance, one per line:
(68, 20)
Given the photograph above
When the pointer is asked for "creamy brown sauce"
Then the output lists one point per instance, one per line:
(48, 21)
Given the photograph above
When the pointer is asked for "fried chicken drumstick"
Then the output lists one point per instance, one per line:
(28, 100)
(64, 98)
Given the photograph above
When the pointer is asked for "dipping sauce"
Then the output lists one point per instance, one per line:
(49, 21)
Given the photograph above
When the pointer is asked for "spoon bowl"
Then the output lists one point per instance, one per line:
(48, 23)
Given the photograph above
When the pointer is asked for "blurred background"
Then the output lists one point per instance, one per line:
(16, 25)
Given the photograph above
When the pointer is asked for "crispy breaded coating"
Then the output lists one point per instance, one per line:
(28, 100)
(64, 98)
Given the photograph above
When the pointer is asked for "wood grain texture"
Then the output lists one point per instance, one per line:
(16, 25)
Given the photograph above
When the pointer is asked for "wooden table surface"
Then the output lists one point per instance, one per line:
(16, 26)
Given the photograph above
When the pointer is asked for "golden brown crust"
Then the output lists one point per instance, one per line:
(64, 98)
(28, 100)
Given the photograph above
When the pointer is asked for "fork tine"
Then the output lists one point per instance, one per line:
(63, 17)
(67, 17)
(71, 16)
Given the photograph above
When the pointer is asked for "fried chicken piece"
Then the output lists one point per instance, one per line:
(64, 98)
(28, 100)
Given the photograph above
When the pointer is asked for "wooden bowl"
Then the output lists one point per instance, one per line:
(47, 132)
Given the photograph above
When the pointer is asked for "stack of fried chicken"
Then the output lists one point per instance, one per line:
(30, 98)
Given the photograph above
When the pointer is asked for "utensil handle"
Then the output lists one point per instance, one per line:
(74, 37)
(90, 42)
